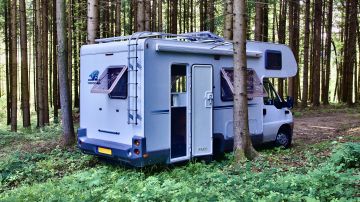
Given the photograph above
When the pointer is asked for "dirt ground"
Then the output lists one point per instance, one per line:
(315, 128)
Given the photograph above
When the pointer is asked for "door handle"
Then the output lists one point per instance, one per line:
(264, 112)
(209, 97)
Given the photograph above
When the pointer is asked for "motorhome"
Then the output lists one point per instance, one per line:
(154, 98)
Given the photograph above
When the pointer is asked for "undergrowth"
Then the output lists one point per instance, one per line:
(336, 178)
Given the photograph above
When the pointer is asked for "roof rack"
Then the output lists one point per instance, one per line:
(203, 37)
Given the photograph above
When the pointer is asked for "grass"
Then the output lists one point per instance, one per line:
(33, 167)
(42, 178)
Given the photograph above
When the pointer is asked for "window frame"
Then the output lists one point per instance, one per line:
(223, 98)
(122, 76)
(267, 67)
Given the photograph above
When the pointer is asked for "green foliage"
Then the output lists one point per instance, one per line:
(347, 156)
(218, 181)
(28, 168)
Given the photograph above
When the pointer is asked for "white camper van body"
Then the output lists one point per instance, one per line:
(173, 106)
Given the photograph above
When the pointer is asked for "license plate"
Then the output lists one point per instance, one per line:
(104, 151)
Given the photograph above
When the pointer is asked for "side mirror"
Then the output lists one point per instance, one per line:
(289, 102)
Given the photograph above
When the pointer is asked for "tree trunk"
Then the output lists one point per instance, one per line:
(24, 66)
(211, 15)
(242, 142)
(325, 97)
(140, 19)
(191, 15)
(160, 16)
(76, 50)
(294, 44)
(70, 47)
(201, 12)
(258, 20)
(174, 13)
(13, 66)
(282, 37)
(306, 55)
(153, 16)
(265, 27)
(118, 18)
(8, 63)
(55, 67)
(92, 22)
(350, 56)
(39, 66)
(228, 24)
(67, 122)
(45, 62)
(147, 15)
(317, 53)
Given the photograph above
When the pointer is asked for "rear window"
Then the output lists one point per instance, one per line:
(113, 81)
(120, 90)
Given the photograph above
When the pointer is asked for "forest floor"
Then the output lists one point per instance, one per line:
(323, 164)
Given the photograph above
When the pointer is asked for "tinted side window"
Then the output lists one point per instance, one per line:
(271, 93)
(226, 91)
(273, 60)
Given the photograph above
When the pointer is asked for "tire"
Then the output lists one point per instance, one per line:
(283, 139)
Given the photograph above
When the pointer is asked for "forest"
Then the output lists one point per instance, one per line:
(40, 98)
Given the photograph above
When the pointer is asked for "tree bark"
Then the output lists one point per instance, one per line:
(174, 13)
(92, 22)
(13, 66)
(294, 44)
(228, 24)
(160, 16)
(242, 142)
(118, 18)
(211, 15)
(281, 38)
(350, 51)
(265, 21)
(306, 55)
(55, 67)
(67, 122)
(325, 96)
(70, 47)
(147, 15)
(154, 16)
(259, 15)
(140, 20)
(317, 53)
(24, 66)
(8, 61)
(45, 62)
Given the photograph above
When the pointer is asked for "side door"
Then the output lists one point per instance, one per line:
(202, 110)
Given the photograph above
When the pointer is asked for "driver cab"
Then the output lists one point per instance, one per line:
(277, 118)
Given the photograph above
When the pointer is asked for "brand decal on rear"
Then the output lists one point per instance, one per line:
(94, 76)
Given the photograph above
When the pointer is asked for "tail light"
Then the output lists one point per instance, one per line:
(136, 151)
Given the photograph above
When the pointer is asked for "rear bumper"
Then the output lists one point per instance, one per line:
(122, 152)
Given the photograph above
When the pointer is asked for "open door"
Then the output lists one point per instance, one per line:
(179, 118)
(202, 110)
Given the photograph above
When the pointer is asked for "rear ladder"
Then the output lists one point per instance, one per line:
(133, 68)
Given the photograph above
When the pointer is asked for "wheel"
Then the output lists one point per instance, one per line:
(283, 139)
